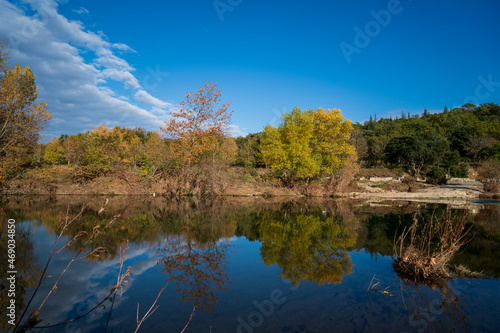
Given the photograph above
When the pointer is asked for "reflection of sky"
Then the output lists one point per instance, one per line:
(344, 307)
(84, 284)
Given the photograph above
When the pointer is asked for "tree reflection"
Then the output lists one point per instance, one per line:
(195, 260)
(436, 305)
(198, 270)
(306, 247)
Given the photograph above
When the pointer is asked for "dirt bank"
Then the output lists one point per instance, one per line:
(456, 190)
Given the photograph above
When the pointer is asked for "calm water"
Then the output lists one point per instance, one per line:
(245, 266)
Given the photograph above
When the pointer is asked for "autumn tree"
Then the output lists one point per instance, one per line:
(55, 152)
(308, 143)
(489, 175)
(198, 128)
(154, 156)
(21, 118)
(306, 247)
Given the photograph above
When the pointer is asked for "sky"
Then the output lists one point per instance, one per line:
(130, 63)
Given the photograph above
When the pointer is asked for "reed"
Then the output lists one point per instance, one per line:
(423, 250)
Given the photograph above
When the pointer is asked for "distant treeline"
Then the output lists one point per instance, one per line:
(453, 139)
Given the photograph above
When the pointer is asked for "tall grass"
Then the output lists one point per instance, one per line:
(423, 250)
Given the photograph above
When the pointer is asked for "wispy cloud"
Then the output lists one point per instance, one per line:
(81, 11)
(147, 99)
(74, 68)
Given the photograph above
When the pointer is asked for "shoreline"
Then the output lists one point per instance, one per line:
(456, 192)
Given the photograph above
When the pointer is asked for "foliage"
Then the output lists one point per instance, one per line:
(306, 247)
(489, 175)
(21, 118)
(415, 151)
(471, 133)
(308, 144)
(436, 176)
(459, 171)
(154, 155)
(197, 129)
(55, 152)
(249, 155)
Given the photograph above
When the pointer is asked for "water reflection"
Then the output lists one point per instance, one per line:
(435, 307)
(306, 247)
(26, 265)
(188, 245)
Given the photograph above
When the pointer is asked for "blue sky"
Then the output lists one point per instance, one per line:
(129, 63)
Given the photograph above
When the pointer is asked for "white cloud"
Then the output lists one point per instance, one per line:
(158, 111)
(235, 131)
(147, 99)
(73, 67)
(123, 47)
(127, 78)
(81, 11)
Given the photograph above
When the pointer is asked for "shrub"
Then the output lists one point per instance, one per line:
(436, 176)
(489, 174)
(460, 171)
(423, 249)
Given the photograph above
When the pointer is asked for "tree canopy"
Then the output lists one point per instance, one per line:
(21, 117)
(308, 143)
(199, 126)
(469, 135)
(416, 150)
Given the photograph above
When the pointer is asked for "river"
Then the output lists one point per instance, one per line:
(241, 265)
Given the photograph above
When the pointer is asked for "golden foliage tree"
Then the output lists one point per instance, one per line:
(306, 247)
(54, 152)
(197, 129)
(308, 143)
(21, 118)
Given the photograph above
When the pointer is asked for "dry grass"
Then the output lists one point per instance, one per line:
(424, 249)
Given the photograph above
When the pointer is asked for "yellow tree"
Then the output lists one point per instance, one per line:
(21, 118)
(197, 129)
(308, 143)
(54, 152)
(306, 247)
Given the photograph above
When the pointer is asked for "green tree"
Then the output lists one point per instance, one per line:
(249, 154)
(416, 150)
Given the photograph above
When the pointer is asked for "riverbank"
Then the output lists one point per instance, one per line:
(457, 190)
(240, 182)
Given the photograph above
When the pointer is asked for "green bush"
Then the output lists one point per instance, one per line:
(459, 171)
(436, 176)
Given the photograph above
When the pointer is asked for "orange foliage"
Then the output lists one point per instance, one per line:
(197, 127)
